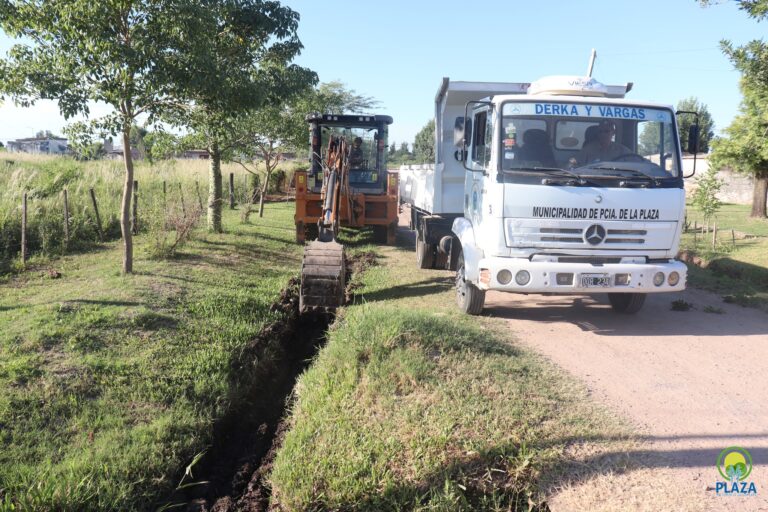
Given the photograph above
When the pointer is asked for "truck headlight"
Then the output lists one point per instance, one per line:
(658, 278)
(523, 277)
(504, 276)
(673, 278)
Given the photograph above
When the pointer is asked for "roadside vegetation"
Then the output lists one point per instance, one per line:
(113, 384)
(413, 406)
(44, 179)
(736, 264)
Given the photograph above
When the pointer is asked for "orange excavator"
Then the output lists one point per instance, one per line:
(347, 186)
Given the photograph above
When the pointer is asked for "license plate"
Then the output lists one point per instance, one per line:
(595, 280)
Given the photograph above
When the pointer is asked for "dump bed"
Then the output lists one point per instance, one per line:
(438, 188)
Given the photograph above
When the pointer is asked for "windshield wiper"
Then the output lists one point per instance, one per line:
(575, 178)
(635, 173)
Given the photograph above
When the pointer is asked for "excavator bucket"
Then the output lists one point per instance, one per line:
(323, 277)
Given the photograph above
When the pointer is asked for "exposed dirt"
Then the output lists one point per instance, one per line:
(246, 440)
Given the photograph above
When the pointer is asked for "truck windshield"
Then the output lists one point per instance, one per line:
(363, 145)
(589, 139)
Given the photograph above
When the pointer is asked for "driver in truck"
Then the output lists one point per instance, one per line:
(603, 148)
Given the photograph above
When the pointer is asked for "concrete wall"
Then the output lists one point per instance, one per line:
(737, 188)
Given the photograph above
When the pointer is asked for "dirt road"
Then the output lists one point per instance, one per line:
(693, 383)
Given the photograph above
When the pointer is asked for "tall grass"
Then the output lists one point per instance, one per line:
(44, 178)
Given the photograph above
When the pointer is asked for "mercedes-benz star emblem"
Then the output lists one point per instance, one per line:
(594, 234)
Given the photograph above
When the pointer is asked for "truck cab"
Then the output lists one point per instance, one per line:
(568, 188)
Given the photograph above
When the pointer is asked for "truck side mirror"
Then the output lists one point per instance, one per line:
(462, 131)
(693, 139)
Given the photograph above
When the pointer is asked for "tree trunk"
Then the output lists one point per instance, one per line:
(270, 166)
(125, 212)
(214, 190)
(759, 193)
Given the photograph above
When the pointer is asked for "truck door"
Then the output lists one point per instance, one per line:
(479, 161)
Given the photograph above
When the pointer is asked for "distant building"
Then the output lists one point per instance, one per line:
(39, 146)
(196, 154)
(117, 153)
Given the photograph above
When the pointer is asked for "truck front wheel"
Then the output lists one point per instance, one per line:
(629, 303)
(468, 296)
(425, 253)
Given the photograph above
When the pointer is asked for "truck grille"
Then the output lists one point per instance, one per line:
(571, 234)
(576, 236)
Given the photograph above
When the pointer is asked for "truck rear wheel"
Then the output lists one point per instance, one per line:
(425, 253)
(628, 303)
(469, 297)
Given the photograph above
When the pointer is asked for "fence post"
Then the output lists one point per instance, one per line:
(135, 216)
(714, 234)
(199, 197)
(165, 203)
(24, 229)
(231, 191)
(245, 188)
(66, 218)
(733, 238)
(183, 206)
(98, 217)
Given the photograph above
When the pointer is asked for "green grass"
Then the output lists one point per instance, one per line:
(414, 406)
(737, 266)
(111, 384)
(731, 216)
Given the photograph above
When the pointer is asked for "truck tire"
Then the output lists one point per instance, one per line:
(469, 297)
(629, 303)
(425, 253)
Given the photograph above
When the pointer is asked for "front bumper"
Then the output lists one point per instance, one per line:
(552, 277)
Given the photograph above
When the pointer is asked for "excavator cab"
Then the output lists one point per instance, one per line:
(347, 185)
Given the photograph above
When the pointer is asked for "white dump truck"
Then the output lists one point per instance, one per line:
(560, 186)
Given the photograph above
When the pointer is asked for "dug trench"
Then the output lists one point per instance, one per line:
(232, 473)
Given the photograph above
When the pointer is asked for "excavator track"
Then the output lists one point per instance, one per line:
(323, 276)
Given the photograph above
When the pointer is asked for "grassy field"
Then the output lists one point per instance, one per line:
(737, 265)
(44, 178)
(414, 406)
(111, 385)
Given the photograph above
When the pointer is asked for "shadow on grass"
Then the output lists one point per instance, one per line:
(419, 289)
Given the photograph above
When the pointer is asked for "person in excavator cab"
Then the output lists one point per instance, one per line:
(356, 154)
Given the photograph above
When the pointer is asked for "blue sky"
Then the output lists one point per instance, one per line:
(397, 51)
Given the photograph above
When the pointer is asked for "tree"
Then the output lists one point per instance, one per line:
(334, 98)
(246, 68)
(706, 124)
(705, 195)
(745, 147)
(424, 144)
(265, 134)
(132, 55)
(161, 145)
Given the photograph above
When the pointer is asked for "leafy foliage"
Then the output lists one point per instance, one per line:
(424, 144)
(705, 195)
(745, 147)
(135, 56)
(243, 69)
